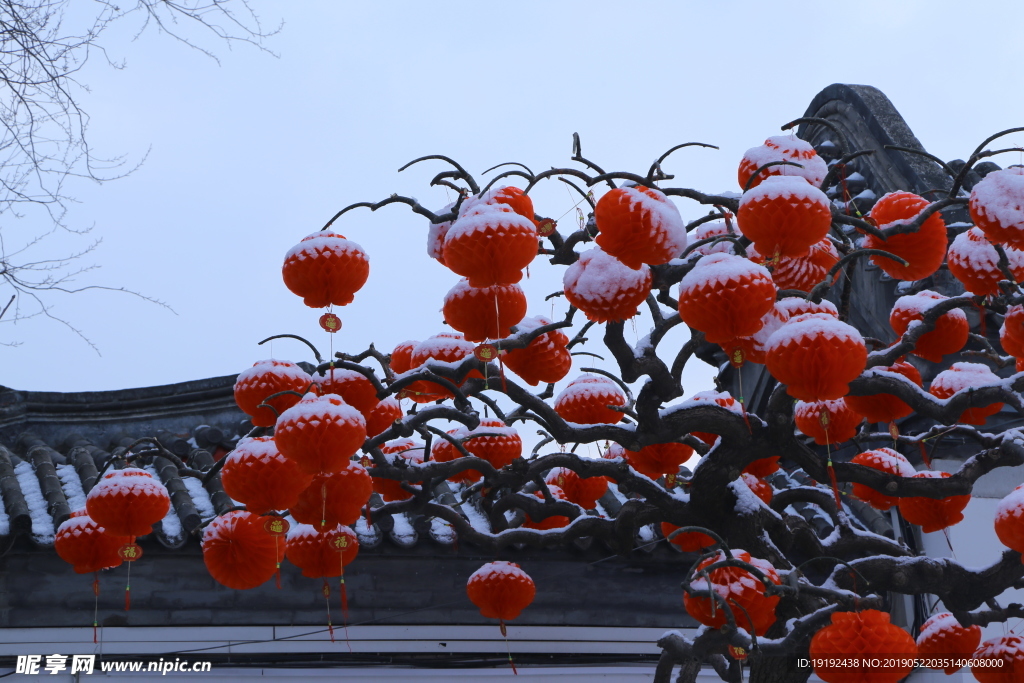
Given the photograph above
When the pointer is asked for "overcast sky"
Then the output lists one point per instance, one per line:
(246, 158)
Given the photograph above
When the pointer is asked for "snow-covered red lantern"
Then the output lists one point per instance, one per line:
(590, 399)
(257, 475)
(816, 357)
(443, 451)
(923, 250)
(320, 433)
(804, 272)
(545, 358)
(584, 491)
(997, 206)
(950, 332)
(1011, 333)
(551, 521)
(128, 502)
(975, 262)
(436, 234)
(753, 348)
(739, 588)
(792, 306)
(400, 450)
(325, 269)
(759, 488)
(782, 148)
(334, 498)
(1009, 520)
(401, 357)
(498, 443)
(605, 289)
(481, 313)
(719, 398)
(509, 195)
(999, 660)
(321, 553)
(942, 638)
(762, 467)
(725, 297)
(784, 216)
(688, 541)
(501, 590)
(966, 376)
(383, 416)
(716, 229)
(885, 460)
(639, 225)
(264, 379)
(658, 459)
(827, 422)
(444, 348)
(886, 407)
(932, 514)
(86, 545)
(862, 647)
(353, 387)
(490, 244)
(239, 552)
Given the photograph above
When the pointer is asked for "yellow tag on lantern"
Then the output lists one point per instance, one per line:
(894, 431)
(330, 322)
(276, 526)
(825, 418)
(670, 481)
(365, 461)
(129, 552)
(340, 543)
(546, 227)
(737, 653)
(485, 352)
(737, 357)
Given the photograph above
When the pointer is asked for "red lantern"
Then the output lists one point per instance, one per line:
(997, 206)
(943, 638)
(128, 502)
(966, 376)
(874, 650)
(1011, 334)
(782, 148)
(761, 489)
(266, 378)
(720, 398)
(753, 348)
(885, 407)
(605, 289)
(784, 216)
(334, 498)
(923, 250)
(401, 357)
(792, 306)
(584, 491)
(688, 541)
(490, 244)
(639, 225)
(762, 467)
(658, 459)
(885, 460)
(325, 269)
(725, 297)
(552, 521)
(974, 261)
(510, 196)
(501, 590)
(239, 552)
(321, 553)
(951, 329)
(743, 593)
(827, 422)
(933, 514)
(87, 546)
(256, 474)
(482, 313)
(500, 446)
(442, 451)
(353, 387)
(436, 234)
(444, 347)
(816, 357)
(320, 433)
(717, 229)
(545, 359)
(804, 272)
(587, 399)
(406, 450)
(1003, 660)
(383, 416)
(1009, 520)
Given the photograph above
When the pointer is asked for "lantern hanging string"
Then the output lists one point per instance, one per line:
(825, 418)
(508, 648)
(327, 599)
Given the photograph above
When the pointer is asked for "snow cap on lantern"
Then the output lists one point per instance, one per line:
(951, 328)
(508, 195)
(87, 546)
(639, 225)
(725, 297)
(320, 433)
(975, 262)
(716, 229)
(353, 387)
(966, 376)
(999, 660)
(923, 250)
(482, 313)
(436, 234)
(816, 357)
(784, 216)
(997, 206)
(325, 269)
(497, 443)
(128, 502)
(804, 272)
(719, 398)
(257, 475)
(490, 244)
(239, 552)
(782, 148)
(604, 288)
(943, 638)
(264, 379)
(587, 399)
(501, 590)
(885, 460)
(1009, 520)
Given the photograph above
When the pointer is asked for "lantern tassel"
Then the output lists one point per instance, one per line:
(128, 589)
(96, 604)
(825, 418)
(743, 406)
(366, 511)
(277, 574)
(924, 454)
(327, 598)
(508, 648)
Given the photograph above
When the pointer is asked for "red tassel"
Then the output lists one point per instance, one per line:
(127, 598)
(835, 485)
(366, 512)
(327, 596)
(278, 575)
(96, 608)
(924, 454)
(504, 634)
